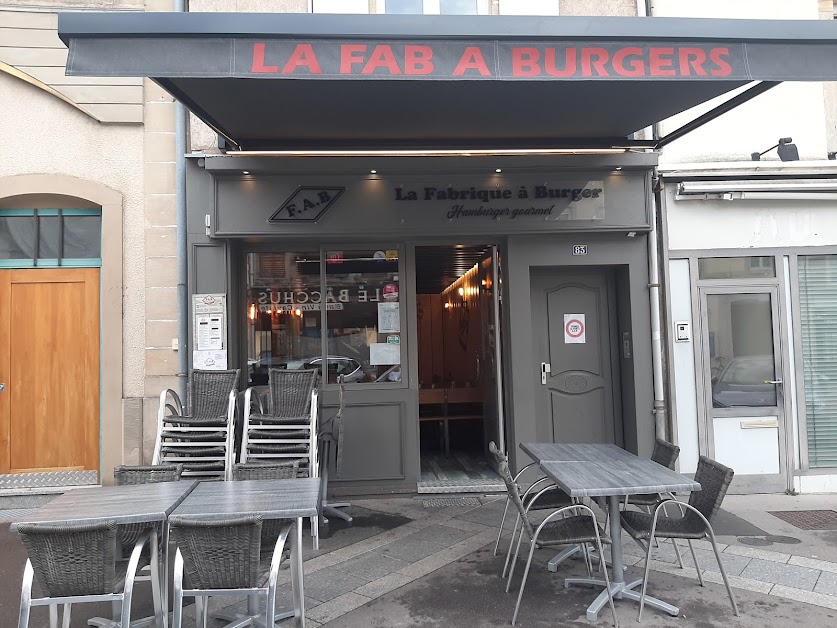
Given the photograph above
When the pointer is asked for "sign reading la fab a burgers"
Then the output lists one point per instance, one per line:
(525, 60)
(567, 200)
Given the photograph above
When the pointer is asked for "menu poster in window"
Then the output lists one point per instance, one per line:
(209, 360)
(384, 353)
(389, 318)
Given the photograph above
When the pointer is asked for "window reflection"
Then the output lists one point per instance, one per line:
(741, 359)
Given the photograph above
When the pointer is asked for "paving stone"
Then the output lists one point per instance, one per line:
(809, 597)
(410, 550)
(776, 557)
(733, 564)
(384, 585)
(428, 565)
(372, 565)
(813, 563)
(787, 575)
(827, 583)
(464, 524)
(337, 607)
(487, 516)
(440, 535)
(738, 582)
(330, 583)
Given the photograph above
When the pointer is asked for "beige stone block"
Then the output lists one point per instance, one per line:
(160, 334)
(161, 272)
(161, 209)
(161, 304)
(213, 6)
(153, 93)
(158, 147)
(272, 6)
(596, 7)
(159, 116)
(160, 362)
(154, 385)
(201, 137)
(160, 241)
(159, 5)
(159, 177)
(337, 607)
(132, 430)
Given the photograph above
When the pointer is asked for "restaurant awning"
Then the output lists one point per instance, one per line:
(304, 81)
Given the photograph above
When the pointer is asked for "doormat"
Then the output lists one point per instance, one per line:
(443, 502)
(809, 519)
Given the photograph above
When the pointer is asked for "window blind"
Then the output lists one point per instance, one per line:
(818, 316)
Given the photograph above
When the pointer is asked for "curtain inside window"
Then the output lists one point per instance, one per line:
(818, 313)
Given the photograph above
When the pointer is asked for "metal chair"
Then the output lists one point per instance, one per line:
(123, 475)
(224, 557)
(554, 498)
(574, 524)
(272, 528)
(714, 479)
(287, 430)
(202, 439)
(76, 563)
(664, 454)
(331, 446)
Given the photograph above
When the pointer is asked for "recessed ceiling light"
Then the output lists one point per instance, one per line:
(618, 167)
(498, 170)
(373, 172)
(245, 172)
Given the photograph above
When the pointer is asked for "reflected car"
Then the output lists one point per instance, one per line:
(351, 369)
(742, 383)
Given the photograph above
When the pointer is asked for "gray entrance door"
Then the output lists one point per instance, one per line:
(574, 344)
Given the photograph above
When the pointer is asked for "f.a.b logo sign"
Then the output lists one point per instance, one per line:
(307, 204)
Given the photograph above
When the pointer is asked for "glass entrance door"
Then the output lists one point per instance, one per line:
(743, 385)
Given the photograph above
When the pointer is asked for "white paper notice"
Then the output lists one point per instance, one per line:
(210, 332)
(210, 360)
(575, 329)
(384, 353)
(389, 319)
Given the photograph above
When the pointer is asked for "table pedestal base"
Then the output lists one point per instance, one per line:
(240, 620)
(620, 591)
(572, 552)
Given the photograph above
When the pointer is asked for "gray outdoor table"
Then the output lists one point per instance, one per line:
(580, 452)
(139, 503)
(612, 479)
(272, 499)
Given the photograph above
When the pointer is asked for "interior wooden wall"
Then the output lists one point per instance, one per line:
(449, 337)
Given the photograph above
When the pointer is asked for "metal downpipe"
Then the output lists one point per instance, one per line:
(182, 245)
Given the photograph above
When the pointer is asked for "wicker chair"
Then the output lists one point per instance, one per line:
(202, 438)
(76, 563)
(549, 500)
(288, 428)
(664, 454)
(129, 534)
(714, 479)
(224, 557)
(574, 524)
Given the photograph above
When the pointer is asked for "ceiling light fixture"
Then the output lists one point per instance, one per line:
(245, 172)
(498, 170)
(441, 152)
(373, 172)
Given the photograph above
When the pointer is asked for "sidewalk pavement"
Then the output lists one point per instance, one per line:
(418, 562)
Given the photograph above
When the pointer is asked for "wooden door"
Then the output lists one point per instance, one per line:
(49, 363)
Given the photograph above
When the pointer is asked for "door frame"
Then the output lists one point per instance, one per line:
(767, 483)
(609, 273)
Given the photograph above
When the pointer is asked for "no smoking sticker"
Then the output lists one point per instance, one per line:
(575, 329)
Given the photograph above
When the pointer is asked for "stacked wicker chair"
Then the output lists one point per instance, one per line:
(287, 428)
(201, 438)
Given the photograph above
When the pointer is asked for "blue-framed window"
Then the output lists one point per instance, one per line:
(50, 238)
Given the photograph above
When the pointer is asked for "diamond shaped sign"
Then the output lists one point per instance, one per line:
(307, 204)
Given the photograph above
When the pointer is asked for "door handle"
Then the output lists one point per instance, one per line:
(774, 381)
(545, 368)
(2, 387)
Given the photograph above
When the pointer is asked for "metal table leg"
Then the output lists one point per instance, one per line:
(296, 576)
(619, 588)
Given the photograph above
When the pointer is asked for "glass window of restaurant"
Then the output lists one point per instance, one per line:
(334, 309)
